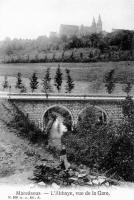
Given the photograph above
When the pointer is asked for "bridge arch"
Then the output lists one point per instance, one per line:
(59, 108)
(103, 113)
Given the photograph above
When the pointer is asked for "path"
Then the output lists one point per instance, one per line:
(18, 158)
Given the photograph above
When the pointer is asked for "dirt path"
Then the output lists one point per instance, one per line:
(18, 158)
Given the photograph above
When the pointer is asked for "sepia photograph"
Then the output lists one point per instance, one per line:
(66, 99)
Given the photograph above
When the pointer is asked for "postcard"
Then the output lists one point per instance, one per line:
(66, 99)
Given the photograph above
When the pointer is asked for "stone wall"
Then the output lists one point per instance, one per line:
(37, 108)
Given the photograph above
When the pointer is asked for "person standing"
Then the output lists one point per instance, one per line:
(63, 159)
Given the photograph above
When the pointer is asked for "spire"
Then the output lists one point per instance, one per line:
(99, 20)
(99, 24)
(93, 22)
(93, 27)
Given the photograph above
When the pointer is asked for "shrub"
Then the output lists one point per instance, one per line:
(5, 83)
(58, 79)
(107, 147)
(69, 83)
(24, 127)
(128, 107)
(119, 160)
(89, 143)
(34, 82)
(109, 81)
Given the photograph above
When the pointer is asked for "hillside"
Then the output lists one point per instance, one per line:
(18, 157)
(87, 76)
(114, 46)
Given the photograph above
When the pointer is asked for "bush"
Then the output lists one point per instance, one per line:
(89, 147)
(108, 148)
(119, 160)
(24, 127)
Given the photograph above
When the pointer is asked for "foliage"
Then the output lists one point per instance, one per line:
(120, 158)
(128, 87)
(69, 84)
(46, 82)
(19, 84)
(5, 83)
(58, 78)
(89, 143)
(114, 46)
(108, 148)
(19, 80)
(23, 89)
(109, 81)
(128, 107)
(34, 82)
(23, 126)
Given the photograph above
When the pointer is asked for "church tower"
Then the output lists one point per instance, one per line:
(99, 25)
(93, 27)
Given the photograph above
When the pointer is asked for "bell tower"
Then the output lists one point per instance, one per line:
(99, 25)
(93, 26)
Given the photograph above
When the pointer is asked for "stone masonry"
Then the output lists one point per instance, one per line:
(36, 109)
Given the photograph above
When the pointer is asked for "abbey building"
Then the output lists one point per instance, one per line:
(70, 30)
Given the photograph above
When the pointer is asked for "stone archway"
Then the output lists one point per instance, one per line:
(57, 120)
(101, 116)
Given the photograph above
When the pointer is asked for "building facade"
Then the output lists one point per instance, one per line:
(70, 30)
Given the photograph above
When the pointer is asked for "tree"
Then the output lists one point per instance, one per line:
(128, 107)
(34, 82)
(46, 82)
(23, 89)
(19, 84)
(109, 81)
(127, 88)
(53, 58)
(95, 40)
(58, 78)
(69, 84)
(89, 143)
(72, 56)
(81, 55)
(5, 83)
(19, 81)
(62, 55)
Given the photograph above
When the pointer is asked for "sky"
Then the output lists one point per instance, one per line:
(32, 18)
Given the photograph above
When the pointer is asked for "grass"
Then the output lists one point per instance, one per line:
(87, 76)
(79, 71)
(18, 157)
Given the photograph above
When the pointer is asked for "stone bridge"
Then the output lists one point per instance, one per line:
(36, 105)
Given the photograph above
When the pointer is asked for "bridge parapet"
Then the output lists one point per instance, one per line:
(35, 105)
(43, 96)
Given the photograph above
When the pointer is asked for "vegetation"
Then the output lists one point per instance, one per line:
(58, 78)
(89, 143)
(21, 123)
(34, 82)
(128, 107)
(19, 84)
(128, 87)
(19, 80)
(5, 83)
(108, 148)
(114, 46)
(47, 86)
(109, 81)
(69, 83)
(119, 160)
(46, 82)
